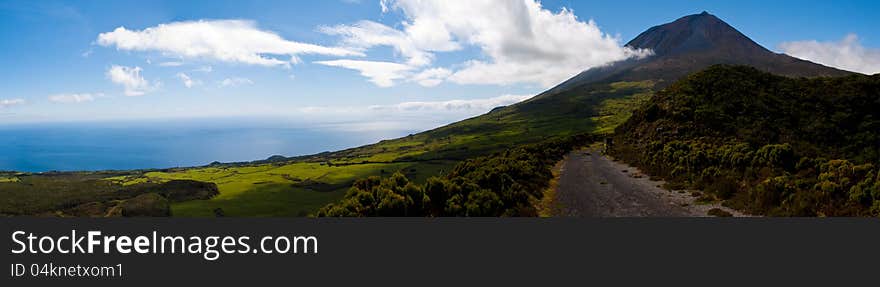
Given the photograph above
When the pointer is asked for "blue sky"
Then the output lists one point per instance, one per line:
(409, 64)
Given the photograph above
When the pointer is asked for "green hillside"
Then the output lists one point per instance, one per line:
(300, 186)
(764, 143)
(598, 108)
(504, 156)
(275, 189)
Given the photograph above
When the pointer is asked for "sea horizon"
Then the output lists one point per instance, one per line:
(159, 144)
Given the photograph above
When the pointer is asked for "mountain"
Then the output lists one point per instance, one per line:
(598, 99)
(759, 135)
(693, 43)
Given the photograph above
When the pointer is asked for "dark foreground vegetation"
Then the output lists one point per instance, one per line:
(90, 195)
(763, 143)
(507, 183)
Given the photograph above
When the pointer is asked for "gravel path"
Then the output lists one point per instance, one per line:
(592, 185)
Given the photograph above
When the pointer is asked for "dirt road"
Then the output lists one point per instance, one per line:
(592, 185)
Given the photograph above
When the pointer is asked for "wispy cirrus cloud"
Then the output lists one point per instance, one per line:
(383, 74)
(5, 103)
(470, 106)
(235, 82)
(233, 41)
(412, 115)
(204, 69)
(847, 54)
(368, 34)
(74, 98)
(171, 64)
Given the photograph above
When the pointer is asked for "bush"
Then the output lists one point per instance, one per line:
(774, 155)
(146, 205)
(770, 144)
(183, 190)
(508, 183)
(770, 192)
(718, 212)
(483, 203)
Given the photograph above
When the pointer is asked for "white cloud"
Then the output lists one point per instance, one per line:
(171, 64)
(520, 40)
(431, 77)
(384, 5)
(234, 41)
(74, 98)
(474, 105)
(847, 54)
(204, 69)
(368, 34)
(5, 103)
(187, 81)
(131, 79)
(235, 82)
(382, 74)
(413, 116)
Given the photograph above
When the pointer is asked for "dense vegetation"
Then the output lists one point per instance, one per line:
(763, 143)
(90, 195)
(508, 183)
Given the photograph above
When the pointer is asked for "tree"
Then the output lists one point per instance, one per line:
(484, 203)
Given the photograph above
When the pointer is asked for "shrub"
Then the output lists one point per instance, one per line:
(718, 212)
(483, 203)
(146, 205)
(773, 145)
(507, 183)
(774, 155)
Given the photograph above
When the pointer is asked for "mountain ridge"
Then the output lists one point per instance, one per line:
(494, 177)
(692, 43)
(580, 104)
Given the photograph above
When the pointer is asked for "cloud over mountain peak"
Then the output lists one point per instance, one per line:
(520, 41)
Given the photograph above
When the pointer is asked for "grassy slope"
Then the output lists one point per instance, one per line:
(291, 189)
(599, 108)
(299, 187)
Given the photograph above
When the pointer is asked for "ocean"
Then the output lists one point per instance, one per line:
(163, 144)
